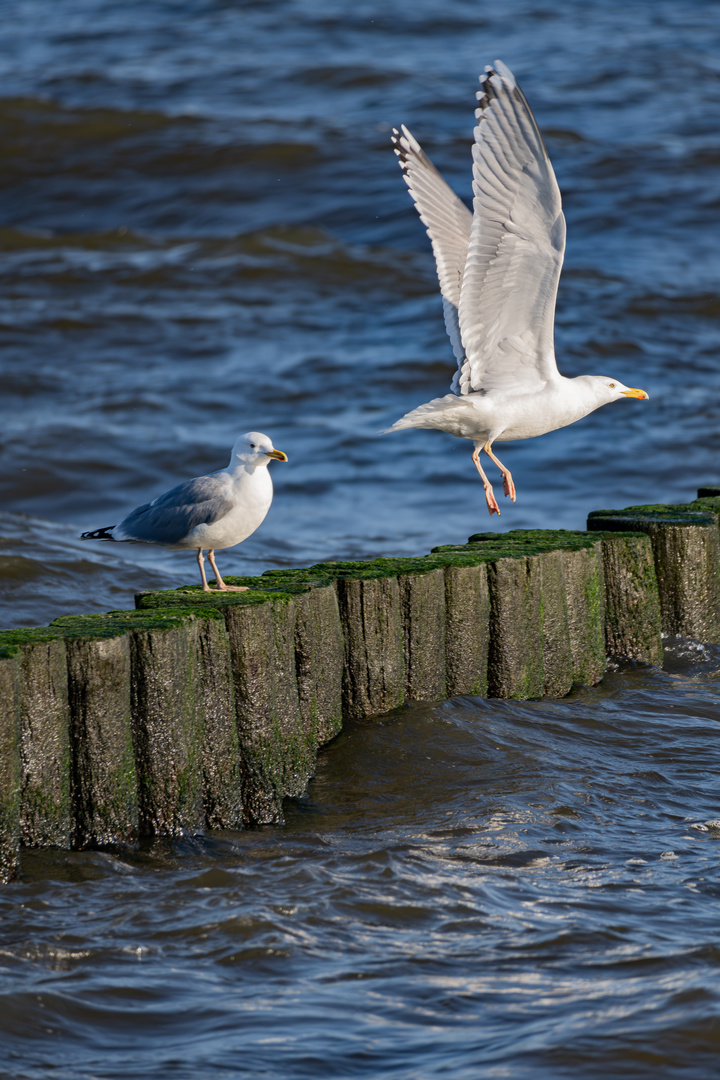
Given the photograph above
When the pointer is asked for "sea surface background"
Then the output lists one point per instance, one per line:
(204, 231)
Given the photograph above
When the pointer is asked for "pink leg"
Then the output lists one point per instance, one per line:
(201, 564)
(220, 583)
(508, 486)
(489, 493)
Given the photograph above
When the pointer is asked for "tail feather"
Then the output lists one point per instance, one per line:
(433, 414)
(99, 534)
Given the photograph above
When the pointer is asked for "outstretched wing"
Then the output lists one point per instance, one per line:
(170, 518)
(507, 299)
(448, 222)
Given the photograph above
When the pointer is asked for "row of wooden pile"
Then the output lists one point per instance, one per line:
(205, 710)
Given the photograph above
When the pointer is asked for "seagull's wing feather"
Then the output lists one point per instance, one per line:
(507, 301)
(448, 222)
(171, 516)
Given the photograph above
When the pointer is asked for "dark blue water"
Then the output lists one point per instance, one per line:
(203, 231)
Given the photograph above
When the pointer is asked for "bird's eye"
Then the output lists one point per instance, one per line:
(611, 385)
(252, 445)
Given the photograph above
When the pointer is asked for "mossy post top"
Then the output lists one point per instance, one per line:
(273, 584)
(702, 512)
(164, 608)
(97, 626)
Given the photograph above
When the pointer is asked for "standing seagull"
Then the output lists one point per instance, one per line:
(215, 511)
(499, 269)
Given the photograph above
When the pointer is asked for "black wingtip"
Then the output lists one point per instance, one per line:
(487, 94)
(99, 534)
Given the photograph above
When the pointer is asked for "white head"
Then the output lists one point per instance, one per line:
(254, 448)
(606, 389)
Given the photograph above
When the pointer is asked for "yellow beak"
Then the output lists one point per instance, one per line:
(635, 393)
(279, 456)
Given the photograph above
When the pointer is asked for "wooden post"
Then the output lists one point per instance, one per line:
(277, 755)
(633, 622)
(319, 663)
(585, 596)
(515, 660)
(10, 764)
(374, 665)
(104, 780)
(686, 553)
(221, 766)
(557, 655)
(423, 612)
(45, 746)
(167, 726)
(467, 629)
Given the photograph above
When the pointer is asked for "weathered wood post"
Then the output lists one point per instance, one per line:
(515, 660)
(587, 612)
(45, 815)
(286, 659)
(319, 662)
(318, 648)
(371, 620)
(633, 621)
(215, 698)
(422, 593)
(547, 622)
(393, 621)
(277, 759)
(10, 764)
(103, 775)
(467, 628)
(686, 553)
(558, 666)
(167, 726)
(493, 651)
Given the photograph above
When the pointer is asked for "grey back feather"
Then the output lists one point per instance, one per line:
(169, 518)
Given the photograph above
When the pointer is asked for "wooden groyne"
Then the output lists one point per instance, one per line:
(202, 710)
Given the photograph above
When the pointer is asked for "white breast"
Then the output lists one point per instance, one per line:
(251, 493)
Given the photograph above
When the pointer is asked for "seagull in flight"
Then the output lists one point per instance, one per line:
(208, 512)
(498, 269)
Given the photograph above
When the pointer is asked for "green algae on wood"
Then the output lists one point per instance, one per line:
(530, 541)
(571, 605)
(515, 658)
(633, 621)
(215, 700)
(319, 663)
(422, 598)
(373, 638)
(557, 664)
(686, 551)
(373, 569)
(45, 740)
(277, 754)
(104, 779)
(687, 562)
(585, 597)
(10, 766)
(286, 678)
(193, 598)
(467, 629)
(167, 727)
